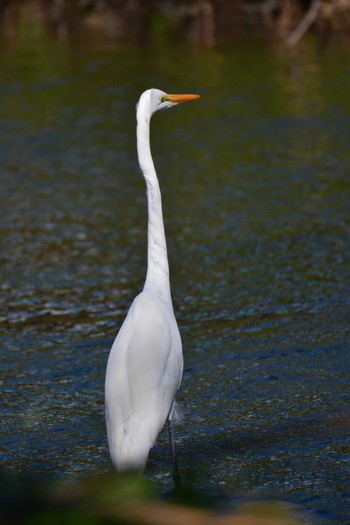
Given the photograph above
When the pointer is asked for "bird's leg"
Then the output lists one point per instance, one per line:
(175, 468)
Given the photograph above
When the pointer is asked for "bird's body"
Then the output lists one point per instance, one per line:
(144, 372)
(145, 364)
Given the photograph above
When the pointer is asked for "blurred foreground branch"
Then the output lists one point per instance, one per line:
(168, 514)
(123, 500)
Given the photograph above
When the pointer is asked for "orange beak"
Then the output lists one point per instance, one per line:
(181, 98)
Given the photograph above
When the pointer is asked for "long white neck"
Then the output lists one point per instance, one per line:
(157, 277)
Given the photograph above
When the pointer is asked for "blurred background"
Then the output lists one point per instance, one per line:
(198, 22)
(256, 187)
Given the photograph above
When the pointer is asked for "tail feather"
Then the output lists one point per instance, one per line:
(176, 414)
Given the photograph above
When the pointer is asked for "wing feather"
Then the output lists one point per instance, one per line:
(143, 374)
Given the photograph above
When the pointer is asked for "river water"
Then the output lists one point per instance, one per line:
(256, 188)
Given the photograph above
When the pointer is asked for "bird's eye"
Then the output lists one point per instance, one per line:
(164, 98)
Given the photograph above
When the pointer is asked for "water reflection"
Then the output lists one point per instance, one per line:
(255, 190)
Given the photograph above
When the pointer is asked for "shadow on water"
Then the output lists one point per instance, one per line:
(262, 464)
(319, 427)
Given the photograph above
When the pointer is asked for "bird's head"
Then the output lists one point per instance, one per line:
(154, 100)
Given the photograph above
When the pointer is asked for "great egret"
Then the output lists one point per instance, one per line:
(145, 364)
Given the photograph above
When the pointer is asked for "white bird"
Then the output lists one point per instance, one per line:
(144, 369)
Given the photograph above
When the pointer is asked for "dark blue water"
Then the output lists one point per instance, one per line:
(256, 189)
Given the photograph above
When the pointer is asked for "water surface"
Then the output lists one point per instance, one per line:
(256, 189)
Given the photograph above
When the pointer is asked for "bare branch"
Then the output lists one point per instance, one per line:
(304, 25)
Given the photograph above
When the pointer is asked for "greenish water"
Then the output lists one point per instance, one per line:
(256, 188)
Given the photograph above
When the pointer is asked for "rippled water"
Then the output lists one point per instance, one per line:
(256, 189)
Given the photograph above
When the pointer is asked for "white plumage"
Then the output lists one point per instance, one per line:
(145, 364)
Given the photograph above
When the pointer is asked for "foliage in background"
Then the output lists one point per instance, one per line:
(197, 22)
